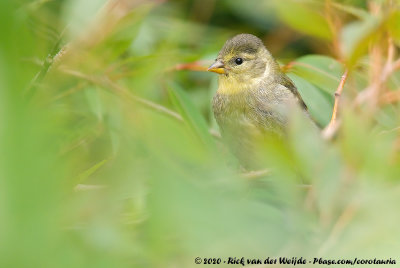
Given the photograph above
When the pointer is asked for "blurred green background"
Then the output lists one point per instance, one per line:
(110, 155)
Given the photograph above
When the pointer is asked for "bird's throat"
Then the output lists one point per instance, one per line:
(231, 85)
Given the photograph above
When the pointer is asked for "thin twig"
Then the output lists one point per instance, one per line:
(72, 90)
(338, 94)
(396, 65)
(396, 129)
(192, 66)
(390, 97)
(88, 187)
(332, 127)
(391, 66)
(391, 50)
(154, 106)
(334, 26)
(31, 89)
(256, 174)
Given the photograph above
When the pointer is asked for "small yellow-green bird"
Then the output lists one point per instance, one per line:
(254, 96)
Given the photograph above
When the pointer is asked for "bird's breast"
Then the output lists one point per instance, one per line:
(232, 109)
(246, 112)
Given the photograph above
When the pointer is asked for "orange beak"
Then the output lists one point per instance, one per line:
(217, 67)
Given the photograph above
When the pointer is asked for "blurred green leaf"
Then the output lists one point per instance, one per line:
(356, 37)
(353, 10)
(394, 25)
(322, 71)
(94, 101)
(259, 13)
(87, 173)
(79, 14)
(190, 113)
(304, 19)
(172, 187)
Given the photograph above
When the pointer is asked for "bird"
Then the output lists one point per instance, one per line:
(254, 97)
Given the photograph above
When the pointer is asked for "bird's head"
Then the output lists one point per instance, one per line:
(242, 58)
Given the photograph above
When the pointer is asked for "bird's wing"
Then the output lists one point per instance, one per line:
(288, 83)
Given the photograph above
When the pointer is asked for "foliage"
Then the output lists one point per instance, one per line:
(111, 156)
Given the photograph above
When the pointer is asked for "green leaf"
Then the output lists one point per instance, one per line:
(258, 13)
(94, 101)
(356, 37)
(79, 14)
(306, 142)
(319, 106)
(322, 71)
(86, 174)
(394, 25)
(303, 19)
(190, 113)
(353, 10)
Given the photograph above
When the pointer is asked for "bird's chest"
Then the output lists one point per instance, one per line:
(244, 121)
(234, 111)
(244, 113)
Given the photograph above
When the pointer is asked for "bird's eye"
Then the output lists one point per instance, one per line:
(238, 61)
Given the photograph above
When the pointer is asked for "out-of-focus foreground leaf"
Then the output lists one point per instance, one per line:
(303, 18)
(190, 114)
(170, 192)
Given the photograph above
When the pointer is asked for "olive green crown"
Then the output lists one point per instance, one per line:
(242, 43)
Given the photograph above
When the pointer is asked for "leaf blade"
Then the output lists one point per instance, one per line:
(190, 114)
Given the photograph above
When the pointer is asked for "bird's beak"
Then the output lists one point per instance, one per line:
(217, 67)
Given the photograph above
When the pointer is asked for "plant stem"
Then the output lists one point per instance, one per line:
(332, 127)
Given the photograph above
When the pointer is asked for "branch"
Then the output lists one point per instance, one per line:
(46, 65)
(333, 125)
(396, 65)
(255, 174)
(334, 25)
(88, 187)
(391, 66)
(192, 66)
(390, 97)
(391, 50)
